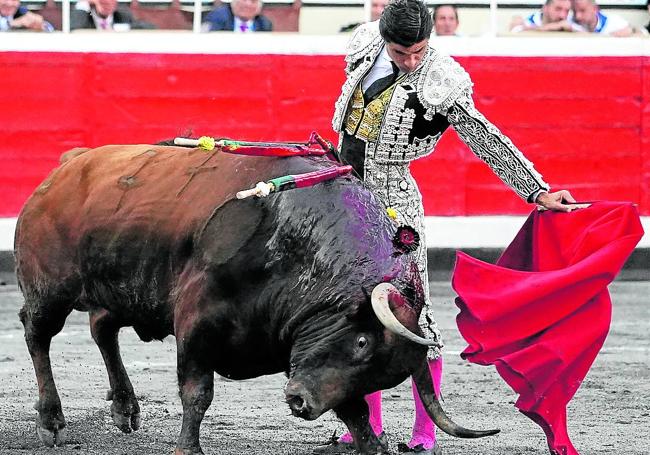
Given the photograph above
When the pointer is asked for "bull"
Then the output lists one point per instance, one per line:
(152, 237)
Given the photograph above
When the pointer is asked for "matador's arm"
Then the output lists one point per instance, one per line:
(495, 149)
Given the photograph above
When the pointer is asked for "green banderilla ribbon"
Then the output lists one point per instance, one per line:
(288, 182)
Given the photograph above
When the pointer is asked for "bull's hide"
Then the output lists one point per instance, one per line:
(144, 183)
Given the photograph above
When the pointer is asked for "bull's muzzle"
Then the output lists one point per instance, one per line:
(300, 401)
(381, 306)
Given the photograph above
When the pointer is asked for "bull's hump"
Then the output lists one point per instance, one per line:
(153, 184)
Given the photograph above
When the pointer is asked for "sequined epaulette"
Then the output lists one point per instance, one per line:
(364, 39)
(443, 81)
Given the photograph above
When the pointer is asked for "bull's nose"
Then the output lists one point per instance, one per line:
(299, 406)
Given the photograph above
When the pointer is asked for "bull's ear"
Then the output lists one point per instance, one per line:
(361, 309)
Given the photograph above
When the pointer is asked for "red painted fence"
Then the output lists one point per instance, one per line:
(584, 121)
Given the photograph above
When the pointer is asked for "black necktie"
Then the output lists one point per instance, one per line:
(381, 84)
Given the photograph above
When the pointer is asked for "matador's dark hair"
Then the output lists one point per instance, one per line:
(405, 22)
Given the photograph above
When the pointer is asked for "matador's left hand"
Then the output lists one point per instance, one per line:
(559, 201)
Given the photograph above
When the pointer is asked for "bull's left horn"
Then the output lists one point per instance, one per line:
(424, 387)
(379, 299)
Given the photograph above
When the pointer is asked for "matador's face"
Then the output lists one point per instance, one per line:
(409, 58)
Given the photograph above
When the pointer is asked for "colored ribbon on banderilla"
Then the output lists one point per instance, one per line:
(316, 145)
(288, 182)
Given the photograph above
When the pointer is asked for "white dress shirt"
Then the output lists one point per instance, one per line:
(382, 68)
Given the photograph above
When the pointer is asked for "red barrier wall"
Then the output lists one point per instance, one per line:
(584, 121)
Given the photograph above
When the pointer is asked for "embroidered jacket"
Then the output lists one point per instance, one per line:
(421, 107)
(382, 136)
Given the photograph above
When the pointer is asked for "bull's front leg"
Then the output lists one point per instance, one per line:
(196, 395)
(196, 382)
(355, 414)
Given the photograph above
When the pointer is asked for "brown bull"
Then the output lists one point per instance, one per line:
(152, 237)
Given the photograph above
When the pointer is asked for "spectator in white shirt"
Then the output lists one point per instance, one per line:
(588, 14)
(555, 16)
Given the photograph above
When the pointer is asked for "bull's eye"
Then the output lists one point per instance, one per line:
(362, 342)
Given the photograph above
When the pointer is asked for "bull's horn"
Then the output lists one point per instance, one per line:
(379, 299)
(423, 384)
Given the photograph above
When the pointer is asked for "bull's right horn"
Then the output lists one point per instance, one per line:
(379, 299)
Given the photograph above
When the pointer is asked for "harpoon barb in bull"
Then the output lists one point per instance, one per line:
(153, 237)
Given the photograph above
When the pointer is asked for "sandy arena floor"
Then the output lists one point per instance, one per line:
(610, 413)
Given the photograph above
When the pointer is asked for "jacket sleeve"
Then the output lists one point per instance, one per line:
(217, 19)
(495, 149)
(264, 24)
(123, 16)
(80, 19)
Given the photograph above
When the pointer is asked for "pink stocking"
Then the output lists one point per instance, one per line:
(424, 431)
(374, 406)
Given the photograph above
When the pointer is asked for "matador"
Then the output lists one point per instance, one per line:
(399, 96)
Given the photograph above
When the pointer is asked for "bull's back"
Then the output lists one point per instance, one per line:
(126, 217)
(129, 185)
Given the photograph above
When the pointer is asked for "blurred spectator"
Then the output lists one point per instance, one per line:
(555, 16)
(445, 20)
(588, 14)
(376, 8)
(104, 15)
(13, 16)
(238, 16)
(648, 26)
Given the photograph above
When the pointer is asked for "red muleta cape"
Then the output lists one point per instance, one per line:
(542, 313)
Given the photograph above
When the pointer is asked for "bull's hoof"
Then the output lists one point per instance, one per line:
(126, 422)
(50, 423)
(336, 447)
(126, 414)
(54, 438)
(419, 449)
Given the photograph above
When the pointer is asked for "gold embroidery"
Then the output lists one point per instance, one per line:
(356, 111)
(363, 121)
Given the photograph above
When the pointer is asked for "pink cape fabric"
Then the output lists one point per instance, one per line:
(542, 313)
